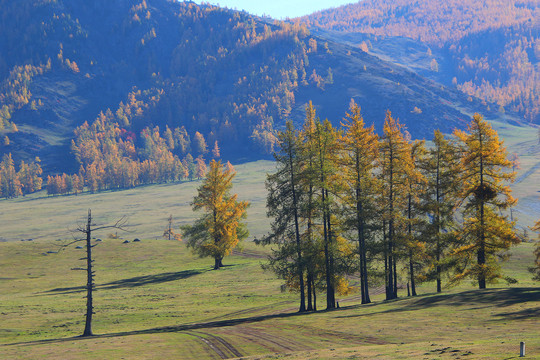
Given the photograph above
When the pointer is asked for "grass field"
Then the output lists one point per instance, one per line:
(157, 300)
(155, 297)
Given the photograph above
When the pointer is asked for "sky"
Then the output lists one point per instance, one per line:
(279, 9)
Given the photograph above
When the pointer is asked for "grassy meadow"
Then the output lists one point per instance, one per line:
(155, 299)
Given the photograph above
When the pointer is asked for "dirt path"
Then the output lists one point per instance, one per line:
(218, 345)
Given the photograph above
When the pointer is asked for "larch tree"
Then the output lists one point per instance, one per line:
(440, 167)
(201, 168)
(215, 151)
(310, 209)
(415, 186)
(394, 162)
(486, 232)
(199, 144)
(217, 232)
(326, 148)
(283, 205)
(359, 147)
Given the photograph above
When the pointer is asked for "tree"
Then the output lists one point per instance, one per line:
(441, 169)
(200, 167)
(199, 144)
(220, 228)
(325, 176)
(215, 151)
(87, 229)
(415, 184)
(485, 233)
(394, 160)
(169, 232)
(283, 204)
(360, 153)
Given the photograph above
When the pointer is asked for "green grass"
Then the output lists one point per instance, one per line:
(37, 216)
(155, 297)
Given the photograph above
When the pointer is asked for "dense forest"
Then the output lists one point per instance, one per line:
(493, 47)
(223, 75)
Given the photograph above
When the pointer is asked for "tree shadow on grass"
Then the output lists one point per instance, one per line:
(169, 329)
(133, 282)
(492, 298)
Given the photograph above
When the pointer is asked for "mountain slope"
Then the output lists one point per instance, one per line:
(488, 49)
(226, 75)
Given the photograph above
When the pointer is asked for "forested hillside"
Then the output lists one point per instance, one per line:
(104, 77)
(492, 47)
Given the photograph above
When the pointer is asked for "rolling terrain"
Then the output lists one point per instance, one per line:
(230, 76)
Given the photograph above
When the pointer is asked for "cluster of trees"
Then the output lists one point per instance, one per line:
(15, 93)
(493, 45)
(113, 157)
(65, 184)
(15, 183)
(349, 200)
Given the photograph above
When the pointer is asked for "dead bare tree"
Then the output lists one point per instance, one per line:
(87, 229)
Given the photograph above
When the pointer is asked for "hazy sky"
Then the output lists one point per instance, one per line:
(279, 9)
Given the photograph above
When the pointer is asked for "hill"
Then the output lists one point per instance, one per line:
(488, 49)
(231, 77)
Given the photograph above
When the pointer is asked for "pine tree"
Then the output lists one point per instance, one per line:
(485, 233)
(360, 154)
(220, 228)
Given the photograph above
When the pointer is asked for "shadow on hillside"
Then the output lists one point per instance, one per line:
(476, 298)
(170, 329)
(133, 282)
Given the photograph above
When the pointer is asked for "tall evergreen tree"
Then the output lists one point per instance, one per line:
(486, 232)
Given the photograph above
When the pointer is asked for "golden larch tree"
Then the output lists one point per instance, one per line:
(217, 232)
(486, 232)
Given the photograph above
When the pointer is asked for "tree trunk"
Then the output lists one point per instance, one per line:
(218, 262)
(482, 249)
(309, 304)
(411, 270)
(314, 297)
(89, 278)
